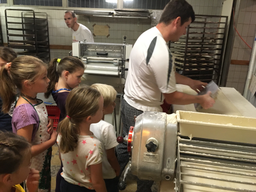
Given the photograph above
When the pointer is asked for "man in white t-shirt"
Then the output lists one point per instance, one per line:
(152, 76)
(79, 31)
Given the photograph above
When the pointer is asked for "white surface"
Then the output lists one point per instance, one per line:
(217, 127)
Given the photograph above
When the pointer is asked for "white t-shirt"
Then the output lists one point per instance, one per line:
(81, 34)
(105, 132)
(76, 163)
(151, 72)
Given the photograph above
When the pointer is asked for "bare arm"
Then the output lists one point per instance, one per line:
(33, 180)
(113, 160)
(97, 179)
(194, 84)
(183, 99)
(27, 131)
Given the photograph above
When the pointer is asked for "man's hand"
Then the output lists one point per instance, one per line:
(33, 180)
(198, 86)
(207, 100)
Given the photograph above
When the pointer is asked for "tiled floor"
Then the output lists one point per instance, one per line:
(55, 165)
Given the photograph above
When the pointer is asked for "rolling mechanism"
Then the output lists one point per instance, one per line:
(195, 151)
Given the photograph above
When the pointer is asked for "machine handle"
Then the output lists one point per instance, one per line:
(151, 147)
(103, 54)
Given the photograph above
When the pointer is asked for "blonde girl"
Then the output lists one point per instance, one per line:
(29, 75)
(105, 132)
(81, 152)
(64, 74)
(15, 155)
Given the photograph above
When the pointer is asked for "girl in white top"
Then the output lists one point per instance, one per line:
(80, 151)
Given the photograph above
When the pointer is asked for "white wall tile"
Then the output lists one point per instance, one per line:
(247, 17)
(240, 54)
(245, 30)
(241, 17)
(251, 31)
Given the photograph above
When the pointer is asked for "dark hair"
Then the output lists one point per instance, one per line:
(12, 148)
(81, 103)
(22, 68)
(7, 54)
(72, 13)
(55, 69)
(177, 8)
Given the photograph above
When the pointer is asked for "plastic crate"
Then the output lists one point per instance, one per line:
(55, 121)
(53, 110)
(54, 114)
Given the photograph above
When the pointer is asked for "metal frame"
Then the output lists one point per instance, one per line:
(28, 32)
(199, 54)
(233, 159)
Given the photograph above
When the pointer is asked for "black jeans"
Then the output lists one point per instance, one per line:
(68, 187)
(112, 184)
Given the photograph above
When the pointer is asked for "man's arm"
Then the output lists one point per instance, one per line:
(194, 84)
(183, 99)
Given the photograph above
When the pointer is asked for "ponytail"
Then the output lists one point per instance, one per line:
(7, 90)
(57, 66)
(69, 134)
(53, 75)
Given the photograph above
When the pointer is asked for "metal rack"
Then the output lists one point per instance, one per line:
(27, 32)
(204, 165)
(199, 53)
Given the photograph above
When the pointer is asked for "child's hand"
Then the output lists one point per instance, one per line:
(54, 136)
(33, 180)
(50, 126)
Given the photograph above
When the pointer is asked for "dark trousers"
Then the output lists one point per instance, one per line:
(58, 179)
(127, 114)
(112, 184)
(68, 187)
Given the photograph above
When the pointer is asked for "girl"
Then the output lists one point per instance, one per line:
(30, 117)
(15, 155)
(7, 55)
(64, 74)
(105, 132)
(81, 152)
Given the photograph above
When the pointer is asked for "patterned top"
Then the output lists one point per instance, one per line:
(76, 164)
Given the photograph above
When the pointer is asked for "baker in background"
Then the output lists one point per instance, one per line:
(152, 76)
(79, 31)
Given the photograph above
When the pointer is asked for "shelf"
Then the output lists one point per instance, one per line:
(117, 13)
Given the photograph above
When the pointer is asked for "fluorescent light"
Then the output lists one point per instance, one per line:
(111, 1)
(128, 0)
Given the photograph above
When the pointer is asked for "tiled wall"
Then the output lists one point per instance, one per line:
(246, 25)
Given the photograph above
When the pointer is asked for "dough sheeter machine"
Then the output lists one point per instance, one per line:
(108, 59)
(191, 151)
(105, 63)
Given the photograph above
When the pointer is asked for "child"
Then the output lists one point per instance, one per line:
(7, 55)
(15, 155)
(30, 117)
(104, 131)
(81, 152)
(64, 74)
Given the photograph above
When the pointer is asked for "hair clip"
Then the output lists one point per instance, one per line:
(58, 60)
